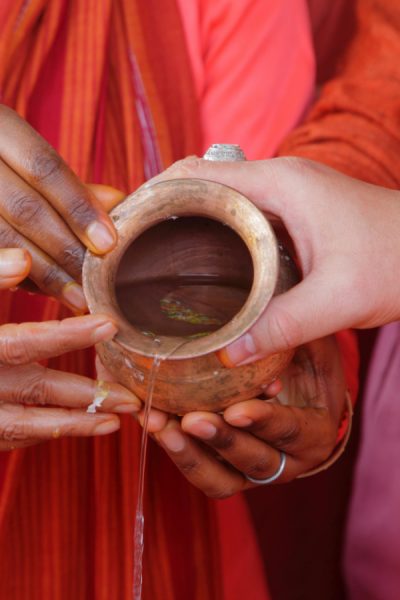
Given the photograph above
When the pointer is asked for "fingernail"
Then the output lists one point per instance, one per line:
(273, 389)
(107, 427)
(13, 262)
(239, 421)
(101, 236)
(172, 439)
(156, 422)
(202, 429)
(241, 350)
(104, 332)
(74, 296)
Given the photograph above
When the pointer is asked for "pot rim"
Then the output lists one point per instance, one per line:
(147, 207)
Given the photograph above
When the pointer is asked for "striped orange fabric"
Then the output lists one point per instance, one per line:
(94, 78)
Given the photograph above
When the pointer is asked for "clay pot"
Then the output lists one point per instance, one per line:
(195, 266)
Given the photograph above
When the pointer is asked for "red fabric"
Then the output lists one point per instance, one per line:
(333, 25)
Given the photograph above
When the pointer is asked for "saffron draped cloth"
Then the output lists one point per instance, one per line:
(109, 84)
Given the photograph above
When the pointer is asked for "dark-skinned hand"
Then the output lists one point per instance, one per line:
(48, 217)
(47, 210)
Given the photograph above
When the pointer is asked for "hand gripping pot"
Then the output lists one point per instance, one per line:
(195, 266)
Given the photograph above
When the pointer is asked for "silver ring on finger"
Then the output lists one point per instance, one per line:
(273, 477)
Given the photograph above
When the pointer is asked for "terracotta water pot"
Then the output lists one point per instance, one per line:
(170, 235)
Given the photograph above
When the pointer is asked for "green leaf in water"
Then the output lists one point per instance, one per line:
(176, 311)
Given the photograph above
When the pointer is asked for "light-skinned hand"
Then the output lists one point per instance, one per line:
(346, 236)
(340, 236)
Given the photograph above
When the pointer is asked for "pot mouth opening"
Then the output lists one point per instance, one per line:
(195, 266)
(186, 277)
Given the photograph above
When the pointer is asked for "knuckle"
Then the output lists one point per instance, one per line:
(283, 330)
(43, 165)
(24, 207)
(33, 392)
(224, 441)
(15, 430)
(189, 467)
(288, 437)
(8, 235)
(13, 348)
(193, 165)
(187, 167)
(72, 257)
(11, 353)
(50, 277)
(81, 210)
(260, 469)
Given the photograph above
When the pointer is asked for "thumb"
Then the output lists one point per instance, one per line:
(15, 264)
(270, 184)
(308, 311)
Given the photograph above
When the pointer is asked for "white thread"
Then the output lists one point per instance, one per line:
(101, 394)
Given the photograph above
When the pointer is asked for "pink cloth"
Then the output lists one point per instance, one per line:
(254, 69)
(372, 558)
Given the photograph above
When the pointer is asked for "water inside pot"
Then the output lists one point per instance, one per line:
(185, 277)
